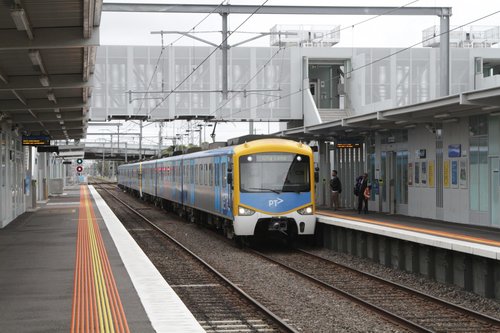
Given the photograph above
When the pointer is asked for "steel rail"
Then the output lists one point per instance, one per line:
(480, 316)
(280, 322)
(385, 313)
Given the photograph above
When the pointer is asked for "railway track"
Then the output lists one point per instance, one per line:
(402, 305)
(397, 304)
(218, 304)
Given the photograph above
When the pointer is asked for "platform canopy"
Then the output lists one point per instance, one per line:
(47, 56)
(441, 110)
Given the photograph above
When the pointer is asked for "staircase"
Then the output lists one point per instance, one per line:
(328, 115)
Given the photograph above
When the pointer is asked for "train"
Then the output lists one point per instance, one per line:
(255, 188)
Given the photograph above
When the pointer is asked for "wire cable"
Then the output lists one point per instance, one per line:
(374, 61)
(163, 49)
(207, 57)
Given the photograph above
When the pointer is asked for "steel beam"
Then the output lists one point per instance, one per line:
(47, 38)
(47, 117)
(41, 104)
(32, 82)
(225, 49)
(444, 53)
(289, 10)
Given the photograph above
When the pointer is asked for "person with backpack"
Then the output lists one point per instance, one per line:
(367, 193)
(359, 190)
(336, 188)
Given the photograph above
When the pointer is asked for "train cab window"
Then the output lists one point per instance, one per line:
(274, 172)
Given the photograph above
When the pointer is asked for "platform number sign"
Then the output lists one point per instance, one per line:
(79, 167)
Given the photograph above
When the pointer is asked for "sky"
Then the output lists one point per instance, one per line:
(383, 31)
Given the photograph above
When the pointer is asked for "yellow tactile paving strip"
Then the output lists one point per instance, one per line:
(96, 303)
(415, 229)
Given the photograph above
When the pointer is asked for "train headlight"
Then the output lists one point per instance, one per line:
(242, 211)
(306, 210)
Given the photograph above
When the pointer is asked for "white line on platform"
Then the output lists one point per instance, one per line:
(163, 307)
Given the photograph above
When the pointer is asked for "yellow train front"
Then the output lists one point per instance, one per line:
(273, 188)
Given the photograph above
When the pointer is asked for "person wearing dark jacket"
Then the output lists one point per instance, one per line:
(336, 188)
(361, 198)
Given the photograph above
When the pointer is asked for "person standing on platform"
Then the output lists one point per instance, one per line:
(367, 193)
(361, 185)
(336, 189)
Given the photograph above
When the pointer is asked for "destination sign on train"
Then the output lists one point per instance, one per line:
(36, 140)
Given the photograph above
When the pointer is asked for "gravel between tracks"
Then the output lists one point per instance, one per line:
(447, 292)
(309, 308)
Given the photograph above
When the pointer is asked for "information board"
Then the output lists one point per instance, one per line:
(36, 140)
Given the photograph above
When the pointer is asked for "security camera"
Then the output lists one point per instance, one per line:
(430, 128)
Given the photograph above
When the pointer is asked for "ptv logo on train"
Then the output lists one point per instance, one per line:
(275, 202)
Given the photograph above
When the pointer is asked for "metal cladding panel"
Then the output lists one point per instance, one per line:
(123, 68)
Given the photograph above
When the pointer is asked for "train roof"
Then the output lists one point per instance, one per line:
(274, 144)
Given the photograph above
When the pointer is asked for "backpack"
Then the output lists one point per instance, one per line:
(357, 187)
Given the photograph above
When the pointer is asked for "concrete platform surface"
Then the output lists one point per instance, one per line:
(37, 276)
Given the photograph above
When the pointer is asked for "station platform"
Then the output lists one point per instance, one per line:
(476, 240)
(71, 266)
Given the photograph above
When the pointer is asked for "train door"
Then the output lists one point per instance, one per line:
(217, 183)
(191, 181)
(184, 181)
(225, 194)
(139, 179)
(495, 191)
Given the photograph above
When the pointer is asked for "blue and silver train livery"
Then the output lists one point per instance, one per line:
(258, 187)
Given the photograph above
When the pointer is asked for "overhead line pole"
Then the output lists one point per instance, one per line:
(224, 55)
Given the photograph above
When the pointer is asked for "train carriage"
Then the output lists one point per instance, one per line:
(258, 187)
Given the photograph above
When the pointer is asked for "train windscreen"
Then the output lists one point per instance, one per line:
(274, 172)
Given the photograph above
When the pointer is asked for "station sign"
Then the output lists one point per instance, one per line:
(48, 149)
(36, 140)
(349, 143)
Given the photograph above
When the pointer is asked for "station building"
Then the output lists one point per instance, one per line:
(378, 110)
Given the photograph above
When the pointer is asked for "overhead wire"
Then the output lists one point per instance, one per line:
(230, 33)
(374, 61)
(279, 97)
(350, 26)
(207, 57)
(163, 49)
